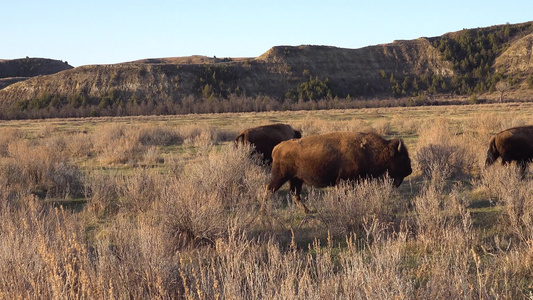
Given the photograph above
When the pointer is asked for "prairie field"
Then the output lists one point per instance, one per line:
(165, 207)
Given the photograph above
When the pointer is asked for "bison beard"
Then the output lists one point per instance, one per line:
(513, 144)
(265, 138)
(324, 160)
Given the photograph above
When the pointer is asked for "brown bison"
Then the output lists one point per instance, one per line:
(265, 138)
(513, 144)
(324, 160)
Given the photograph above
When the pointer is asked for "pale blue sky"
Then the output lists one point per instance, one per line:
(113, 31)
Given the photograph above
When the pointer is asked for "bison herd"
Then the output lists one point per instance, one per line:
(324, 160)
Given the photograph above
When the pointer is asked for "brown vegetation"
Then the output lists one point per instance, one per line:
(167, 208)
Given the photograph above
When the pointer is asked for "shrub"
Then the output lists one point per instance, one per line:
(7, 136)
(117, 144)
(441, 154)
(137, 191)
(349, 206)
(382, 127)
(101, 194)
(218, 190)
(151, 135)
(41, 170)
(506, 187)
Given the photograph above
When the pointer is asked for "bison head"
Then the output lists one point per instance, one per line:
(399, 162)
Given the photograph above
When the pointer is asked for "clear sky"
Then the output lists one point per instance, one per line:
(114, 31)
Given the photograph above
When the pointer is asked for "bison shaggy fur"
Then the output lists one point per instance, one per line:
(324, 160)
(265, 138)
(513, 144)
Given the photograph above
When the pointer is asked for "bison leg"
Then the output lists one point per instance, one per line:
(275, 183)
(522, 165)
(296, 190)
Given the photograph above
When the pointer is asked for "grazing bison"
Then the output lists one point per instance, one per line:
(324, 160)
(513, 144)
(265, 138)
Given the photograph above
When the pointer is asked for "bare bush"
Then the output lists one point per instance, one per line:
(130, 261)
(312, 126)
(101, 194)
(505, 185)
(365, 276)
(449, 271)
(440, 153)
(41, 170)
(13, 183)
(137, 192)
(348, 206)
(217, 190)
(80, 146)
(152, 156)
(382, 127)
(7, 136)
(406, 124)
(436, 211)
(202, 136)
(438, 162)
(152, 135)
(49, 260)
(118, 144)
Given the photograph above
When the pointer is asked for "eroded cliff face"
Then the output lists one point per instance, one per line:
(414, 57)
(134, 80)
(517, 58)
(274, 73)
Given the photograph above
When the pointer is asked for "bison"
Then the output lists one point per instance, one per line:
(265, 138)
(513, 144)
(324, 160)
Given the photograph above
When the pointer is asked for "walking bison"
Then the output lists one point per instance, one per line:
(513, 144)
(324, 160)
(265, 138)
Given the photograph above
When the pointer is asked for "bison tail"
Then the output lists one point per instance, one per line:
(239, 139)
(492, 153)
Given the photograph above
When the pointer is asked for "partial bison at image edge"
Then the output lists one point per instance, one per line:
(324, 160)
(265, 138)
(512, 144)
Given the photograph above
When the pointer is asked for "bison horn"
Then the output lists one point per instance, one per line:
(400, 146)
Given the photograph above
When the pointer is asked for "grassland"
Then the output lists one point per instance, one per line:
(164, 207)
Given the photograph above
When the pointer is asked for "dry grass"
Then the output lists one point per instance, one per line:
(347, 209)
(159, 208)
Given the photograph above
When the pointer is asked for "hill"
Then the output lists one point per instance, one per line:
(467, 62)
(16, 70)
